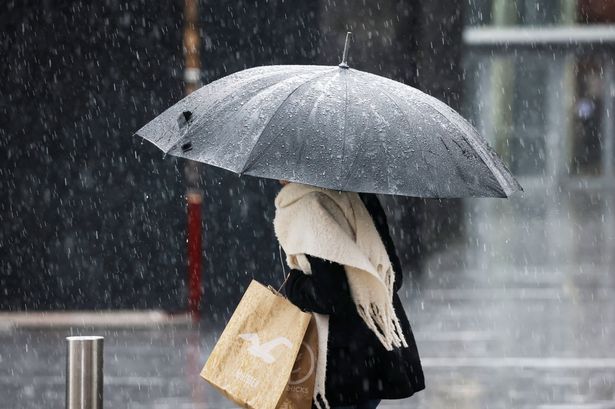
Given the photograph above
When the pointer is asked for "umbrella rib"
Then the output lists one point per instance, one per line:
(385, 93)
(264, 88)
(358, 150)
(403, 113)
(222, 101)
(507, 186)
(482, 154)
(345, 126)
(249, 161)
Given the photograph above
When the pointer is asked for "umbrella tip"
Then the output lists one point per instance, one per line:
(344, 63)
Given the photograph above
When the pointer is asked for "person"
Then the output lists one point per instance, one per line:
(361, 367)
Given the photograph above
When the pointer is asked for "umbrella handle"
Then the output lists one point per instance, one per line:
(344, 63)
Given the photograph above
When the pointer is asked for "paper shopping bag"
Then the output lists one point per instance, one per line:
(252, 361)
(300, 388)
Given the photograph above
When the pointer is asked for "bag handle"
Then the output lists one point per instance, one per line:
(286, 276)
(285, 280)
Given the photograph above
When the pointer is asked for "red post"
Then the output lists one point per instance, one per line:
(192, 81)
(194, 255)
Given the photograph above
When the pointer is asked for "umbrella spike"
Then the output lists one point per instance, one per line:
(344, 63)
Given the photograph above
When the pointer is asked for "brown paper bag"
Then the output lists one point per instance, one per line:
(300, 388)
(253, 359)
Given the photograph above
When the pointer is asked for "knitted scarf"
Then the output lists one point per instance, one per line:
(336, 226)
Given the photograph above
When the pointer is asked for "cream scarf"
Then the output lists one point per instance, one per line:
(336, 226)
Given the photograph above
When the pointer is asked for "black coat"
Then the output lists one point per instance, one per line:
(359, 368)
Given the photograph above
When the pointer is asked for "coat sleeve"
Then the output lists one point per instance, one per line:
(325, 291)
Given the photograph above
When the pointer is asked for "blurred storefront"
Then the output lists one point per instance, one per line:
(540, 85)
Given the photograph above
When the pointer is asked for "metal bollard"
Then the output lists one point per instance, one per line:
(84, 372)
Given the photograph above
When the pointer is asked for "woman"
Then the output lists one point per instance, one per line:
(361, 366)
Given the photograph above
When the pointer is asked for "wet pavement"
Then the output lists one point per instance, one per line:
(519, 315)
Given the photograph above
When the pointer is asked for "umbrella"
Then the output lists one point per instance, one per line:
(334, 127)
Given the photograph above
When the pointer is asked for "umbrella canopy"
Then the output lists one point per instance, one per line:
(333, 127)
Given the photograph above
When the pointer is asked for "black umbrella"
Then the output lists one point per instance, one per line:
(333, 127)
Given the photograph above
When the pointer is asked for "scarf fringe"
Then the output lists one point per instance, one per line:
(386, 328)
(385, 325)
(318, 404)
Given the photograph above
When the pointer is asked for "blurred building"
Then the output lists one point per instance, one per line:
(540, 85)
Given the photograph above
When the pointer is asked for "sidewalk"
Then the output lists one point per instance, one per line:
(545, 342)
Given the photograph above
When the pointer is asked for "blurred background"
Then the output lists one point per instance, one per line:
(512, 301)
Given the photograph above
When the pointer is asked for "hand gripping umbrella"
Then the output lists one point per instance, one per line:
(333, 127)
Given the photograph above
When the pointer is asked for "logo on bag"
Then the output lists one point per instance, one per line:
(304, 368)
(246, 378)
(263, 351)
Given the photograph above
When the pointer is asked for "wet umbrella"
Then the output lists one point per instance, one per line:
(333, 127)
